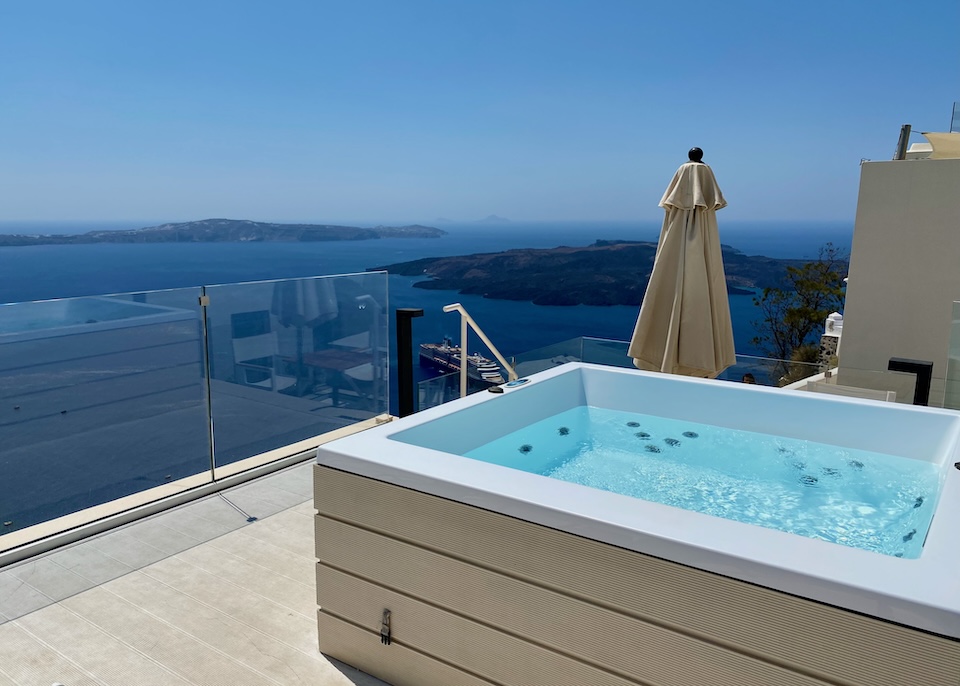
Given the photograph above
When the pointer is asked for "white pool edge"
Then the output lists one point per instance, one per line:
(922, 593)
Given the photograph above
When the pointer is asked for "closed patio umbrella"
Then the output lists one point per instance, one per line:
(684, 323)
(304, 303)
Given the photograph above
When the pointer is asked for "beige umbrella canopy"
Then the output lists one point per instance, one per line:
(684, 324)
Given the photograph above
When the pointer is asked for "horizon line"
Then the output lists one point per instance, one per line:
(394, 221)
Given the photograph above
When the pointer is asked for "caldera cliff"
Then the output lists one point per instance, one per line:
(604, 273)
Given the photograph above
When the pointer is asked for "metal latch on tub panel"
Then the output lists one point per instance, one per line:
(204, 300)
(385, 628)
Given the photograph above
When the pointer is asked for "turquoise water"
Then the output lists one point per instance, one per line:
(856, 498)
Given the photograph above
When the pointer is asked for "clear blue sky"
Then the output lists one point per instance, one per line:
(412, 110)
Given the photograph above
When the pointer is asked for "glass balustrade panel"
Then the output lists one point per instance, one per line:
(102, 398)
(293, 359)
(438, 390)
(750, 369)
(547, 357)
(605, 351)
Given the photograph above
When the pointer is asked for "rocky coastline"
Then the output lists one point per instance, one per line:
(604, 273)
(227, 230)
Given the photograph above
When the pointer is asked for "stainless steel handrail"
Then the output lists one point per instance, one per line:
(465, 320)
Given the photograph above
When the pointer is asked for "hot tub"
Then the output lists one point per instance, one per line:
(513, 577)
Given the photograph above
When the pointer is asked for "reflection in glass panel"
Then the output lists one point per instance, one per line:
(101, 397)
(547, 357)
(871, 384)
(293, 359)
(608, 352)
(763, 371)
(766, 371)
(439, 390)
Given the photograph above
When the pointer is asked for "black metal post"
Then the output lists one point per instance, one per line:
(924, 372)
(903, 143)
(405, 390)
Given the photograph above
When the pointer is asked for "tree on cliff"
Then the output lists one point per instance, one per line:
(793, 313)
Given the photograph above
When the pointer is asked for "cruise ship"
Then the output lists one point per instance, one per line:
(445, 357)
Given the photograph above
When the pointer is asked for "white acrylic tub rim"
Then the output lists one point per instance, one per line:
(923, 593)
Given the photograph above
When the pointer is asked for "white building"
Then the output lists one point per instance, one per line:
(904, 273)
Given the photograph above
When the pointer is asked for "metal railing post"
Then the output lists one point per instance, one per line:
(405, 389)
(463, 356)
(467, 320)
(903, 143)
(208, 390)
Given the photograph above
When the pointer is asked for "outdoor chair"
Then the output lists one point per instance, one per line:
(256, 353)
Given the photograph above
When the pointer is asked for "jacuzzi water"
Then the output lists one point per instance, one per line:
(857, 498)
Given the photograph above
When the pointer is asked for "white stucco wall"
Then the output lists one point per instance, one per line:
(904, 272)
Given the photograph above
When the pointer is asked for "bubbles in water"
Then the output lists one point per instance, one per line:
(841, 495)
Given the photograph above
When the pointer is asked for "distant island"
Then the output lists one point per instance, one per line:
(489, 219)
(604, 273)
(228, 230)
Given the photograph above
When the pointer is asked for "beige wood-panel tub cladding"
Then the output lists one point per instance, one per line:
(481, 598)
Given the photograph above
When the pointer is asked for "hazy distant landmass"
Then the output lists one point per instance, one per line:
(228, 230)
(605, 273)
(489, 219)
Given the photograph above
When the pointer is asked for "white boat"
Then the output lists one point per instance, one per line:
(445, 357)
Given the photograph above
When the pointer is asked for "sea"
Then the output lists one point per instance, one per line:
(63, 271)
